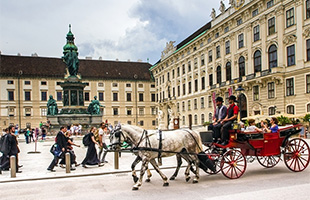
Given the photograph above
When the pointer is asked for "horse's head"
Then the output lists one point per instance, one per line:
(116, 137)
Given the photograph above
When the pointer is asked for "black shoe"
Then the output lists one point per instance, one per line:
(84, 166)
(224, 143)
(105, 161)
(72, 169)
(19, 166)
(51, 170)
(100, 165)
(19, 172)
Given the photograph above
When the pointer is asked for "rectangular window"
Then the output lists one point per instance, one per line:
(183, 69)
(226, 29)
(218, 52)
(255, 12)
(189, 105)
(256, 33)
(291, 55)
(196, 85)
(43, 111)
(141, 111)
(271, 111)
(202, 60)
(140, 96)
(240, 41)
(209, 40)
(153, 97)
(217, 35)
(141, 85)
(184, 89)
(27, 83)
(203, 83)
(129, 122)
(189, 66)
(308, 83)
(10, 82)
(153, 122)
(115, 111)
(59, 96)
(44, 96)
(58, 83)
(43, 83)
(114, 84)
(210, 80)
(255, 93)
(183, 106)
(152, 85)
(271, 91)
(129, 112)
(202, 102)
(115, 96)
(128, 85)
(195, 63)
(86, 94)
(195, 104)
(290, 87)
(100, 95)
(153, 110)
(141, 123)
(290, 17)
(308, 9)
(308, 49)
(271, 26)
(189, 87)
(27, 112)
(227, 47)
(128, 96)
(178, 72)
(11, 95)
(210, 56)
(173, 74)
(270, 3)
(27, 96)
(239, 21)
(179, 91)
(209, 102)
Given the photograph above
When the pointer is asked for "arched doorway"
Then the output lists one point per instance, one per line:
(243, 106)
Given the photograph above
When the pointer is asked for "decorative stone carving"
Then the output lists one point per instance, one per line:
(290, 39)
(169, 49)
(279, 10)
(222, 7)
(213, 14)
(306, 32)
(237, 4)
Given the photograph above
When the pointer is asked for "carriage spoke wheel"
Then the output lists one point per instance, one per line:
(233, 164)
(296, 155)
(217, 159)
(268, 161)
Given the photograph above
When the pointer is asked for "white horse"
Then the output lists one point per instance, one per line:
(184, 142)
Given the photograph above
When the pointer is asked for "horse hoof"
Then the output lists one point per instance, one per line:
(135, 179)
(172, 178)
(148, 180)
(166, 184)
(187, 179)
(135, 188)
(195, 181)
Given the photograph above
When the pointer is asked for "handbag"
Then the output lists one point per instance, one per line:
(55, 150)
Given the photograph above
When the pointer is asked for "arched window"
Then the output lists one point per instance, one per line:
(241, 67)
(195, 119)
(203, 118)
(218, 74)
(308, 107)
(228, 71)
(272, 56)
(257, 61)
(290, 109)
(210, 117)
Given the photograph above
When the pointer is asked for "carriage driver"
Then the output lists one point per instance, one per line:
(220, 114)
(232, 114)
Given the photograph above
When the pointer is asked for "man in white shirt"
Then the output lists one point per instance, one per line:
(103, 146)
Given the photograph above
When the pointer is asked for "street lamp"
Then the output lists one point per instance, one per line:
(239, 91)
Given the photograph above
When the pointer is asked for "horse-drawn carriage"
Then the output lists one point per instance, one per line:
(231, 159)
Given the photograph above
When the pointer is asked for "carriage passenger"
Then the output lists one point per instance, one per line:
(274, 126)
(252, 127)
(232, 114)
(220, 114)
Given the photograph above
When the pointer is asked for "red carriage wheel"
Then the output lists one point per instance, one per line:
(233, 164)
(216, 157)
(296, 155)
(268, 161)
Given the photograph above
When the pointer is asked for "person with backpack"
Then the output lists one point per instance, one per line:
(91, 154)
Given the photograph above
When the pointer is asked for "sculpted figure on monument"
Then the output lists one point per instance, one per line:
(52, 108)
(72, 62)
(94, 106)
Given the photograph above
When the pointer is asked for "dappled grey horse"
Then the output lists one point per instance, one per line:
(179, 142)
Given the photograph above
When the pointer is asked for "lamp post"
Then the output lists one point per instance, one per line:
(239, 91)
(136, 93)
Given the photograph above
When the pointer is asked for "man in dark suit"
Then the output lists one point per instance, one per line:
(61, 141)
(12, 146)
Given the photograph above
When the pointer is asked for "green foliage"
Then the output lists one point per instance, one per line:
(206, 123)
(307, 118)
(284, 120)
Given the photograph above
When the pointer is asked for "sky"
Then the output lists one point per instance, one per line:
(111, 29)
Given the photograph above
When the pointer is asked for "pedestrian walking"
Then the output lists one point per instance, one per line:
(91, 155)
(70, 145)
(103, 130)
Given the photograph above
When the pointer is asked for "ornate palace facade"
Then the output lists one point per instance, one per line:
(261, 45)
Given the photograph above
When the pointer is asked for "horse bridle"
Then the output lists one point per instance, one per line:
(118, 133)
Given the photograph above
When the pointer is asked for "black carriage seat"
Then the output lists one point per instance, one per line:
(246, 136)
(288, 130)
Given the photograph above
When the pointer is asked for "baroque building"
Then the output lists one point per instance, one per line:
(125, 89)
(262, 46)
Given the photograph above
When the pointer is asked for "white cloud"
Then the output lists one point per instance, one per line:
(124, 29)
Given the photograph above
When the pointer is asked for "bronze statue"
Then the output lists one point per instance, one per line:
(94, 106)
(52, 108)
(72, 62)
